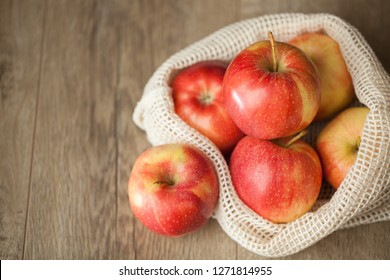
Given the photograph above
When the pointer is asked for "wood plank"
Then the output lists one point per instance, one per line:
(160, 29)
(134, 70)
(363, 242)
(20, 48)
(73, 192)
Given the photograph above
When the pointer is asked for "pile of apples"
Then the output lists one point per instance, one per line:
(255, 110)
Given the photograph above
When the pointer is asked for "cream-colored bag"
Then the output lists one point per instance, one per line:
(364, 195)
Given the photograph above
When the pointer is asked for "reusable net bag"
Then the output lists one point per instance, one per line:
(363, 196)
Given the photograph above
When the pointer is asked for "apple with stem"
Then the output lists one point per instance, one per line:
(271, 90)
(173, 189)
(198, 100)
(279, 180)
(338, 144)
(337, 90)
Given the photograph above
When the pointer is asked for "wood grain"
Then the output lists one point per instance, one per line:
(20, 48)
(71, 74)
(135, 67)
(73, 193)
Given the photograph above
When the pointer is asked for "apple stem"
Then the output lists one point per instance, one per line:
(272, 40)
(296, 137)
(359, 139)
(169, 183)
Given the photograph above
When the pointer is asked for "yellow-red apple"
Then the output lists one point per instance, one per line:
(338, 144)
(198, 100)
(271, 90)
(337, 90)
(173, 189)
(279, 180)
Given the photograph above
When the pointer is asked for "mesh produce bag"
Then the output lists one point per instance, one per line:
(364, 195)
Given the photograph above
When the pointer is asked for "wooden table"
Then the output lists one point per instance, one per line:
(71, 73)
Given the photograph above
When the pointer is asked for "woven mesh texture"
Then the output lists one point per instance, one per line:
(363, 196)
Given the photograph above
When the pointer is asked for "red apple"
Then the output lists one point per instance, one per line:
(279, 180)
(173, 189)
(338, 144)
(271, 90)
(198, 99)
(337, 90)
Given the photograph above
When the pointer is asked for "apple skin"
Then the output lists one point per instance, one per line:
(270, 104)
(173, 189)
(277, 182)
(337, 90)
(338, 144)
(198, 99)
